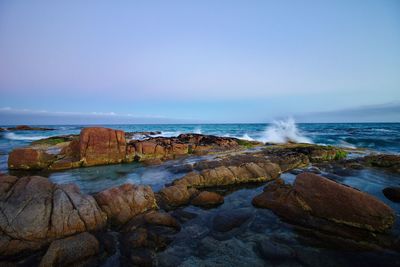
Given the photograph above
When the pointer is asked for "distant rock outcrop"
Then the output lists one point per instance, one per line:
(100, 146)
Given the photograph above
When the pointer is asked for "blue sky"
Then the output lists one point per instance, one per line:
(198, 61)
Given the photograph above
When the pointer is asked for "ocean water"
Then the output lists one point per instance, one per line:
(198, 244)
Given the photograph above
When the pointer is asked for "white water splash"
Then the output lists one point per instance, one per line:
(284, 131)
(13, 136)
(197, 130)
(246, 137)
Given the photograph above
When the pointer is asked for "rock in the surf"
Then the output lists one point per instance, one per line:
(71, 251)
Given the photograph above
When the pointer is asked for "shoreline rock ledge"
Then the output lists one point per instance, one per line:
(102, 146)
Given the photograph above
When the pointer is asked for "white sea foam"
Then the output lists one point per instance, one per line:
(197, 130)
(247, 137)
(169, 133)
(13, 136)
(284, 131)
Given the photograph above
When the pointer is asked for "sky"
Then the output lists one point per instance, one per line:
(199, 61)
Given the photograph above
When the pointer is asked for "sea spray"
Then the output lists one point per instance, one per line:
(284, 131)
(247, 137)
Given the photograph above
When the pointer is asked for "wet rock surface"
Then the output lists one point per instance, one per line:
(228, 220)
(392, 193)
(74, 250)
(207, 199)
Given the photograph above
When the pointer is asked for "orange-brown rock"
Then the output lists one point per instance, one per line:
(124, 202)
(314, 197)
(176, 195)
(205, 199)
(29, 159)
(222, 175)
(102, 146)
(35, 211)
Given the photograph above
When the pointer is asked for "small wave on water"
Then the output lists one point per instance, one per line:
(13, 136)
(284, 131)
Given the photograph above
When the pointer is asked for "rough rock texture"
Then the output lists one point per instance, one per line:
(171, 147)
(175, 196)
(392, 193)
(389, 162)
(315, 153)
(70, 251)
(34, 211)
(205, 199)
(244, 173)
(101, 146)
(124, 202)
(29, 159)
(313, 196)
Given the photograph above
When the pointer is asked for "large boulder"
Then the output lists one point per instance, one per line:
(124, 202)
(29, 159)
(102, 146)
(69, 251)
(314, 199)
(35, 211)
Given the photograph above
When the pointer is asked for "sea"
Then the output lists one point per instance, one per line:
(265, 234)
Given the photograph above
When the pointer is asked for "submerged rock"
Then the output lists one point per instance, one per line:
(126, 201)
(35, 211)
(145, 234)
(70, 251)
(392, 193)
(225, 221)
(317, 202)
(207, 199)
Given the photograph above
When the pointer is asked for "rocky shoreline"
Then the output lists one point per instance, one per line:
(47, 224)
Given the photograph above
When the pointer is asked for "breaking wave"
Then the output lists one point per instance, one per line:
(284, 131)
(13, 136)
